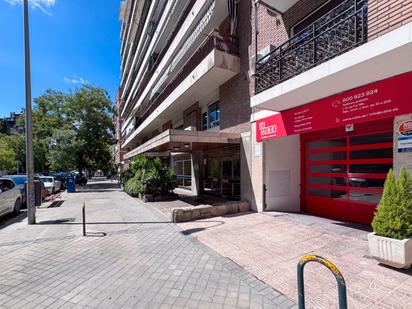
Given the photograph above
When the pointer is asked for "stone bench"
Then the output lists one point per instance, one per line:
(184, 214)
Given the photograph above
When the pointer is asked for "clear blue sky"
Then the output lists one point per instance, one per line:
(72, 41)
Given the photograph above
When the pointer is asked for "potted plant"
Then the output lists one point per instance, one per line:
(391, 242)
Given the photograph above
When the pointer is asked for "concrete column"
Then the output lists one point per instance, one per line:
(400, 158)
(252, 170)
(246, 192)
(197, 164)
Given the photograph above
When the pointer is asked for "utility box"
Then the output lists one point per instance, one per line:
(70, 184)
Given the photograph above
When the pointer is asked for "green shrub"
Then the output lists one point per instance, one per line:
(132, 187)
(394, 214)
(150, 176)
(125, 176)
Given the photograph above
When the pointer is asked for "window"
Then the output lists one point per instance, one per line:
(211, 118)
(204, 121)
(6, 185)
(214, 115)
(183, 171)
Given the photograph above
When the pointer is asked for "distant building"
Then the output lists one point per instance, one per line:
(12, 124)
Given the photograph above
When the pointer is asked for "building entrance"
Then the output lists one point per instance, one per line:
(344, 174)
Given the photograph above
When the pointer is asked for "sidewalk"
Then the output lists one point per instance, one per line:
(133, 257)
(269, 246)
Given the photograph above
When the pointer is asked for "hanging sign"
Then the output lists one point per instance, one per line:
(383, 99)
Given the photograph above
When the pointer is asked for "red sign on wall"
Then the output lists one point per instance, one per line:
(383, 99)
(405, 128)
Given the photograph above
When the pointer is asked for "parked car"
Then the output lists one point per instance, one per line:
(20, 181)
(48, 183)
(57, 185)
(10, 197)
(80, 180)
(62, 178)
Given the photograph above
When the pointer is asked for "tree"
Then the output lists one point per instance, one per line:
(17, 143)
(3, 126)
(62, 151)
(72, 130)
(7, 155)
(90, 111)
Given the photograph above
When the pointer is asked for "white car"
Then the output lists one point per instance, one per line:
(10, 197)
(48, 183)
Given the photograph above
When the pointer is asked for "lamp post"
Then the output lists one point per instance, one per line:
(31, 208)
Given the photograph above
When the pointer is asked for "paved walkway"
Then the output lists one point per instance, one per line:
(132, 258)
(269, 245)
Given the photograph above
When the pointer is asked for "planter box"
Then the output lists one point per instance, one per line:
(389, 251)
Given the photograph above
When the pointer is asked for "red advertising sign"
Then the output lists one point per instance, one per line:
(405, 128)
(379, 100)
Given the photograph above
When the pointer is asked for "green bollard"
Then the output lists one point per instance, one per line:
(338, 275)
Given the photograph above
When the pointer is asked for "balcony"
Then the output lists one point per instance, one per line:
(214, 62)
(335, 33)
(213, 41)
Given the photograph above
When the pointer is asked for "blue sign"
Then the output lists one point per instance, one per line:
(405, 144)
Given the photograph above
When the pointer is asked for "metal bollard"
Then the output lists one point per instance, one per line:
(336, 272)
(84, 218)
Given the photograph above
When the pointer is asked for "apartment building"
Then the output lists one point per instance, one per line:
(184, 90)
(332, 103)
(298, 105)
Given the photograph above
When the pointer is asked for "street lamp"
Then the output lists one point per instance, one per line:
(31, 207)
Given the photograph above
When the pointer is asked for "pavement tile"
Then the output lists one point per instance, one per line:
(271, 249)
(143, 261)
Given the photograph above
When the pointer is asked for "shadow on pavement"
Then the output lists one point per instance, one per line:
(68, 222)
(193, 231)
(11, 218)
(314, 220)
(356, 226)
(56, 204)
(99, 187)
(96, 234)
(201, 199)
(58, 221)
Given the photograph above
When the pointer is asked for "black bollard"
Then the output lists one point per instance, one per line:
(84, 218)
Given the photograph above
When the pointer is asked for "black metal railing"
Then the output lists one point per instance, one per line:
(338, 31)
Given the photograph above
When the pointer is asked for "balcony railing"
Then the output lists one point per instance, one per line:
(338, 31)
(148, 74)
(213, 41)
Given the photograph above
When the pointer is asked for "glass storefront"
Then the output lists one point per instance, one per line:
(183, 171)
(222, 176)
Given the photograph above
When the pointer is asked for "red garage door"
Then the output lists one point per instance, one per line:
(344, 174)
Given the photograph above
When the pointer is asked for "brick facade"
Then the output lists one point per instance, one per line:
(234, 96)
(274, 28)
(383, 16)
(387, 15)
